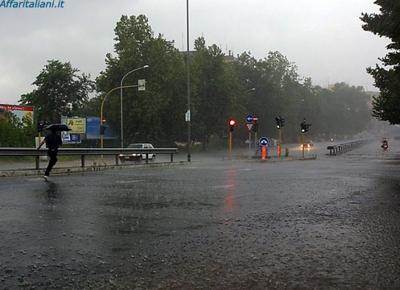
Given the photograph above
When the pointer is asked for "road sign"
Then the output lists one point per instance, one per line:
(187, 116)
(249, 126)
(263, 141)
(249, 119)
(141, 85)
(68, 138)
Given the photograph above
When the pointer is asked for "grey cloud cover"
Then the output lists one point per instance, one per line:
(323, 37)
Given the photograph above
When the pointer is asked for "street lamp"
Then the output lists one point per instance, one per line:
(188, 117)
(122, 111)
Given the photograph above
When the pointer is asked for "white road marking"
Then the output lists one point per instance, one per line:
(223, 186)
(128, 181)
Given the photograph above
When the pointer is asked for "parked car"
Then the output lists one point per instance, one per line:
(138, 156)
(307, 145)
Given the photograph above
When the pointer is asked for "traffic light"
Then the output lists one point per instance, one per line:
(304, 126)
(255, 125)
(278, 122)
(40, 126)
(103, 127)
(232, 124)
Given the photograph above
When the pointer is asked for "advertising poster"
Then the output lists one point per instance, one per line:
(93, 129)
(77, 125)
(24, 114)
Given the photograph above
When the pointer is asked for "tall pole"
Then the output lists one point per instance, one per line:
(279, 142)
(249, 143)
(188, 82)
(122, 106)
(230, 145)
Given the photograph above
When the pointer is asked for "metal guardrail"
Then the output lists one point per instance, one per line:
(12, 151)
(344, 147)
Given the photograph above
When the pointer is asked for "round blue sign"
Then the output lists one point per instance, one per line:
(263, 141)
(249, 119)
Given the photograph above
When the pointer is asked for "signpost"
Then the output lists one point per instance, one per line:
(249, 124)
(255, 130)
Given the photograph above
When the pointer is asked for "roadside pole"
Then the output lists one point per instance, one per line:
(231, 124)
(249, 142)
(249, 124)
(230, 145)
(279, 143)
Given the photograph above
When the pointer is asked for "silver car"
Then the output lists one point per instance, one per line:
(138, 156)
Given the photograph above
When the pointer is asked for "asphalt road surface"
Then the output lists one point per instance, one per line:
(329, 223)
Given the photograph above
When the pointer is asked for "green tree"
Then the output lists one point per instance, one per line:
(213, 92)
(344, 110)
(58, 85)
(14, 133)
(386, 106)
(157, 114)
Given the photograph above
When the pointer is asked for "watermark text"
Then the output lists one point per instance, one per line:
(31, 4)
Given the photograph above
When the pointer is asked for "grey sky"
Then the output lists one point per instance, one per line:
(323, 37)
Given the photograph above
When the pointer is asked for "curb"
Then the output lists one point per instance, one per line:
(93, 168)
(272, 159)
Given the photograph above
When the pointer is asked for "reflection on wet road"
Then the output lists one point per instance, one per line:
(321, 224)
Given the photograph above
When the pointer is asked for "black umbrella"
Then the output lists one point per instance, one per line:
(58, 127)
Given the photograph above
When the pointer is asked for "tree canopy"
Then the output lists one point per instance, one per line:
(386, 106)
(223, 86)
(154, 114)
(57, 86)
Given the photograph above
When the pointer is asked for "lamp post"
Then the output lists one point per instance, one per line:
(122, 111)
(188, 82)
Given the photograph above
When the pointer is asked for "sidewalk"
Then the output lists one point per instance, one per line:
(65, 165)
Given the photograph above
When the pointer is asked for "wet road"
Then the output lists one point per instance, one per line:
(213, 224)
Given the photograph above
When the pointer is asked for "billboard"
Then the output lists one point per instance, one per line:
(24, 114)
(93, 129)
(77, 125)
(69, 138)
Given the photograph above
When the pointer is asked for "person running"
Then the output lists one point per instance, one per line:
(53, 141)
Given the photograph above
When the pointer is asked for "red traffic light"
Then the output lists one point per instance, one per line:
(232, 123)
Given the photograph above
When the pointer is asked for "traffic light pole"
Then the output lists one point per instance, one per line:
(255, 141)
(249, 143)
(280, 143)
(230, 145)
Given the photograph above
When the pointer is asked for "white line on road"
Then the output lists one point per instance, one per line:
(128, 181)
(223, 186)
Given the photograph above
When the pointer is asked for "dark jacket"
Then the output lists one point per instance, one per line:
(53, 141)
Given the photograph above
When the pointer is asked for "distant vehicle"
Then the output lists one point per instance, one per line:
(138, 156)
(307, 145)
(385, 144)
